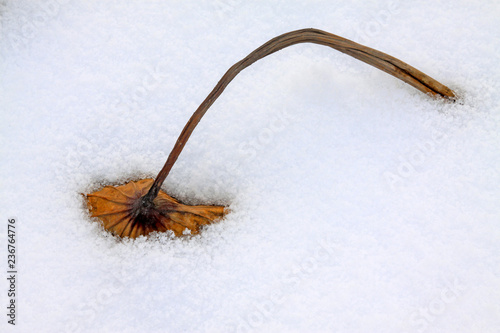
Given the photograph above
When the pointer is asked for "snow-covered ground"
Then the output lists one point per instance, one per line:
(358, 203)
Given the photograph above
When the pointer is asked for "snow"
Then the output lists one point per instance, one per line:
(357, 203)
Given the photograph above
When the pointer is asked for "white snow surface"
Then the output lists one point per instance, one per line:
(358, 204)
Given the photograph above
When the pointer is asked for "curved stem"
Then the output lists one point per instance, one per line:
(371, 56)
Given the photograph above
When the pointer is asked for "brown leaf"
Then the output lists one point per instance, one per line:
(139, 208)
(119, 208)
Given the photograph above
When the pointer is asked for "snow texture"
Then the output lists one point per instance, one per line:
(358, 204)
